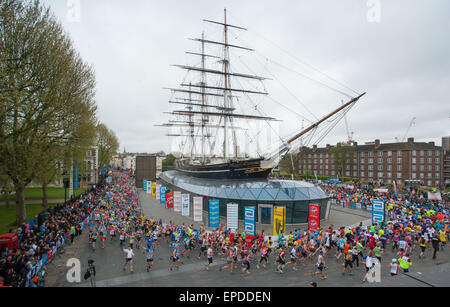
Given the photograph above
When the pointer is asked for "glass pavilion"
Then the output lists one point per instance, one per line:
(262, 194)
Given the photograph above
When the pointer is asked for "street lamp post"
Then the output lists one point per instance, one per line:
(66, 185)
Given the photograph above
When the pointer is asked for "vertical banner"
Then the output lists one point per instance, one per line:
(198, 204)
(71, 183)
(232, 217)
(185, 204)
(153, 188)
(149, 187)
(377, 211)
(313, 216)
(144, 185)
(214, 213)
(162, 192)
(249, 220)
(158, 191)
(279, 220)
(169, 200)
(177, 201)
(75, 175)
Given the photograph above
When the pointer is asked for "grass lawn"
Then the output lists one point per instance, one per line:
(8, 216)
(36, 194)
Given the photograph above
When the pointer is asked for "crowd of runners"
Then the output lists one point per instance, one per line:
(412, 228)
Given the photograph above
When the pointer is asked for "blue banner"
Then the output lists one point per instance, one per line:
(249, 215)
(377, 211)
(75, 175)
(214, 219)
(144, 185)
(162, 198)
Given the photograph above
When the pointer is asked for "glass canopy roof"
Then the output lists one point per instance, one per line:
(276, 190)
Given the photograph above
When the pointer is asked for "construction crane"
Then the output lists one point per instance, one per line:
(349, 132)
(413, 121)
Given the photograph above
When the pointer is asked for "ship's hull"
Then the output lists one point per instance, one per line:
(249, 169)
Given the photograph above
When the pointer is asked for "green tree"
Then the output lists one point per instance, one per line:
(107, 143)
(342, 157)
(46, 92)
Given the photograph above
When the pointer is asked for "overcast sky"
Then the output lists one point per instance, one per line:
(402, 61)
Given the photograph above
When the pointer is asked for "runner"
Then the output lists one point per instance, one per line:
(128, 258)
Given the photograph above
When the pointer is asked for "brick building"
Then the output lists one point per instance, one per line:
(446, 146)
(380, 162)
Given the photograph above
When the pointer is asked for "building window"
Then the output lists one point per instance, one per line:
(362, 174)
(370, 160)
(399, 175)
(389, 175)
(362, 167)
(380, 160)
(399, 160)
(422, 168)
(437, 168)
(389, 153)
(429, 183)
(347, 174)
(389, 160)
(362, 160)
(389, 167)
(422, 152)
(437, 160)
(370, 167)
(413, 161)
(399, 153)
(430, 168)
(430, 175)
(430, 160)
(413, 168)
(380, 154)
(430, 152)
(380, 175)
(413, 152)
(437, 153)
(370, 154)
(436, 175)
(370, 174)
(380, 167)
(413, 175)
(422, 160)
(422, 175)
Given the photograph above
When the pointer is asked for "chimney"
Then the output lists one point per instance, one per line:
(431, 143)
(314, 147)
(410, 140)
(328, 146)
(377, 143)
(355, 143)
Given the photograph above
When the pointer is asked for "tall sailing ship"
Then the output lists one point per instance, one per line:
(211, 107)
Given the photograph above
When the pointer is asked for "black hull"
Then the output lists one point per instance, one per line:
(245, 173)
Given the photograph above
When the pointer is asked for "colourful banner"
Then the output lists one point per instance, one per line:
(144, 185)
(232, 217)
(169, 200)
(198, 213)
(314, 217)
(162, 192)
(149, 187)
(249, 220)
(158, 191)
(177, 201)
(153, 188)
(75, 175)
(214, 219)
(279, 220)
(185, 204)
(378, 211)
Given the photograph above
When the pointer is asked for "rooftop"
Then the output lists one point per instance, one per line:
(263, 190)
